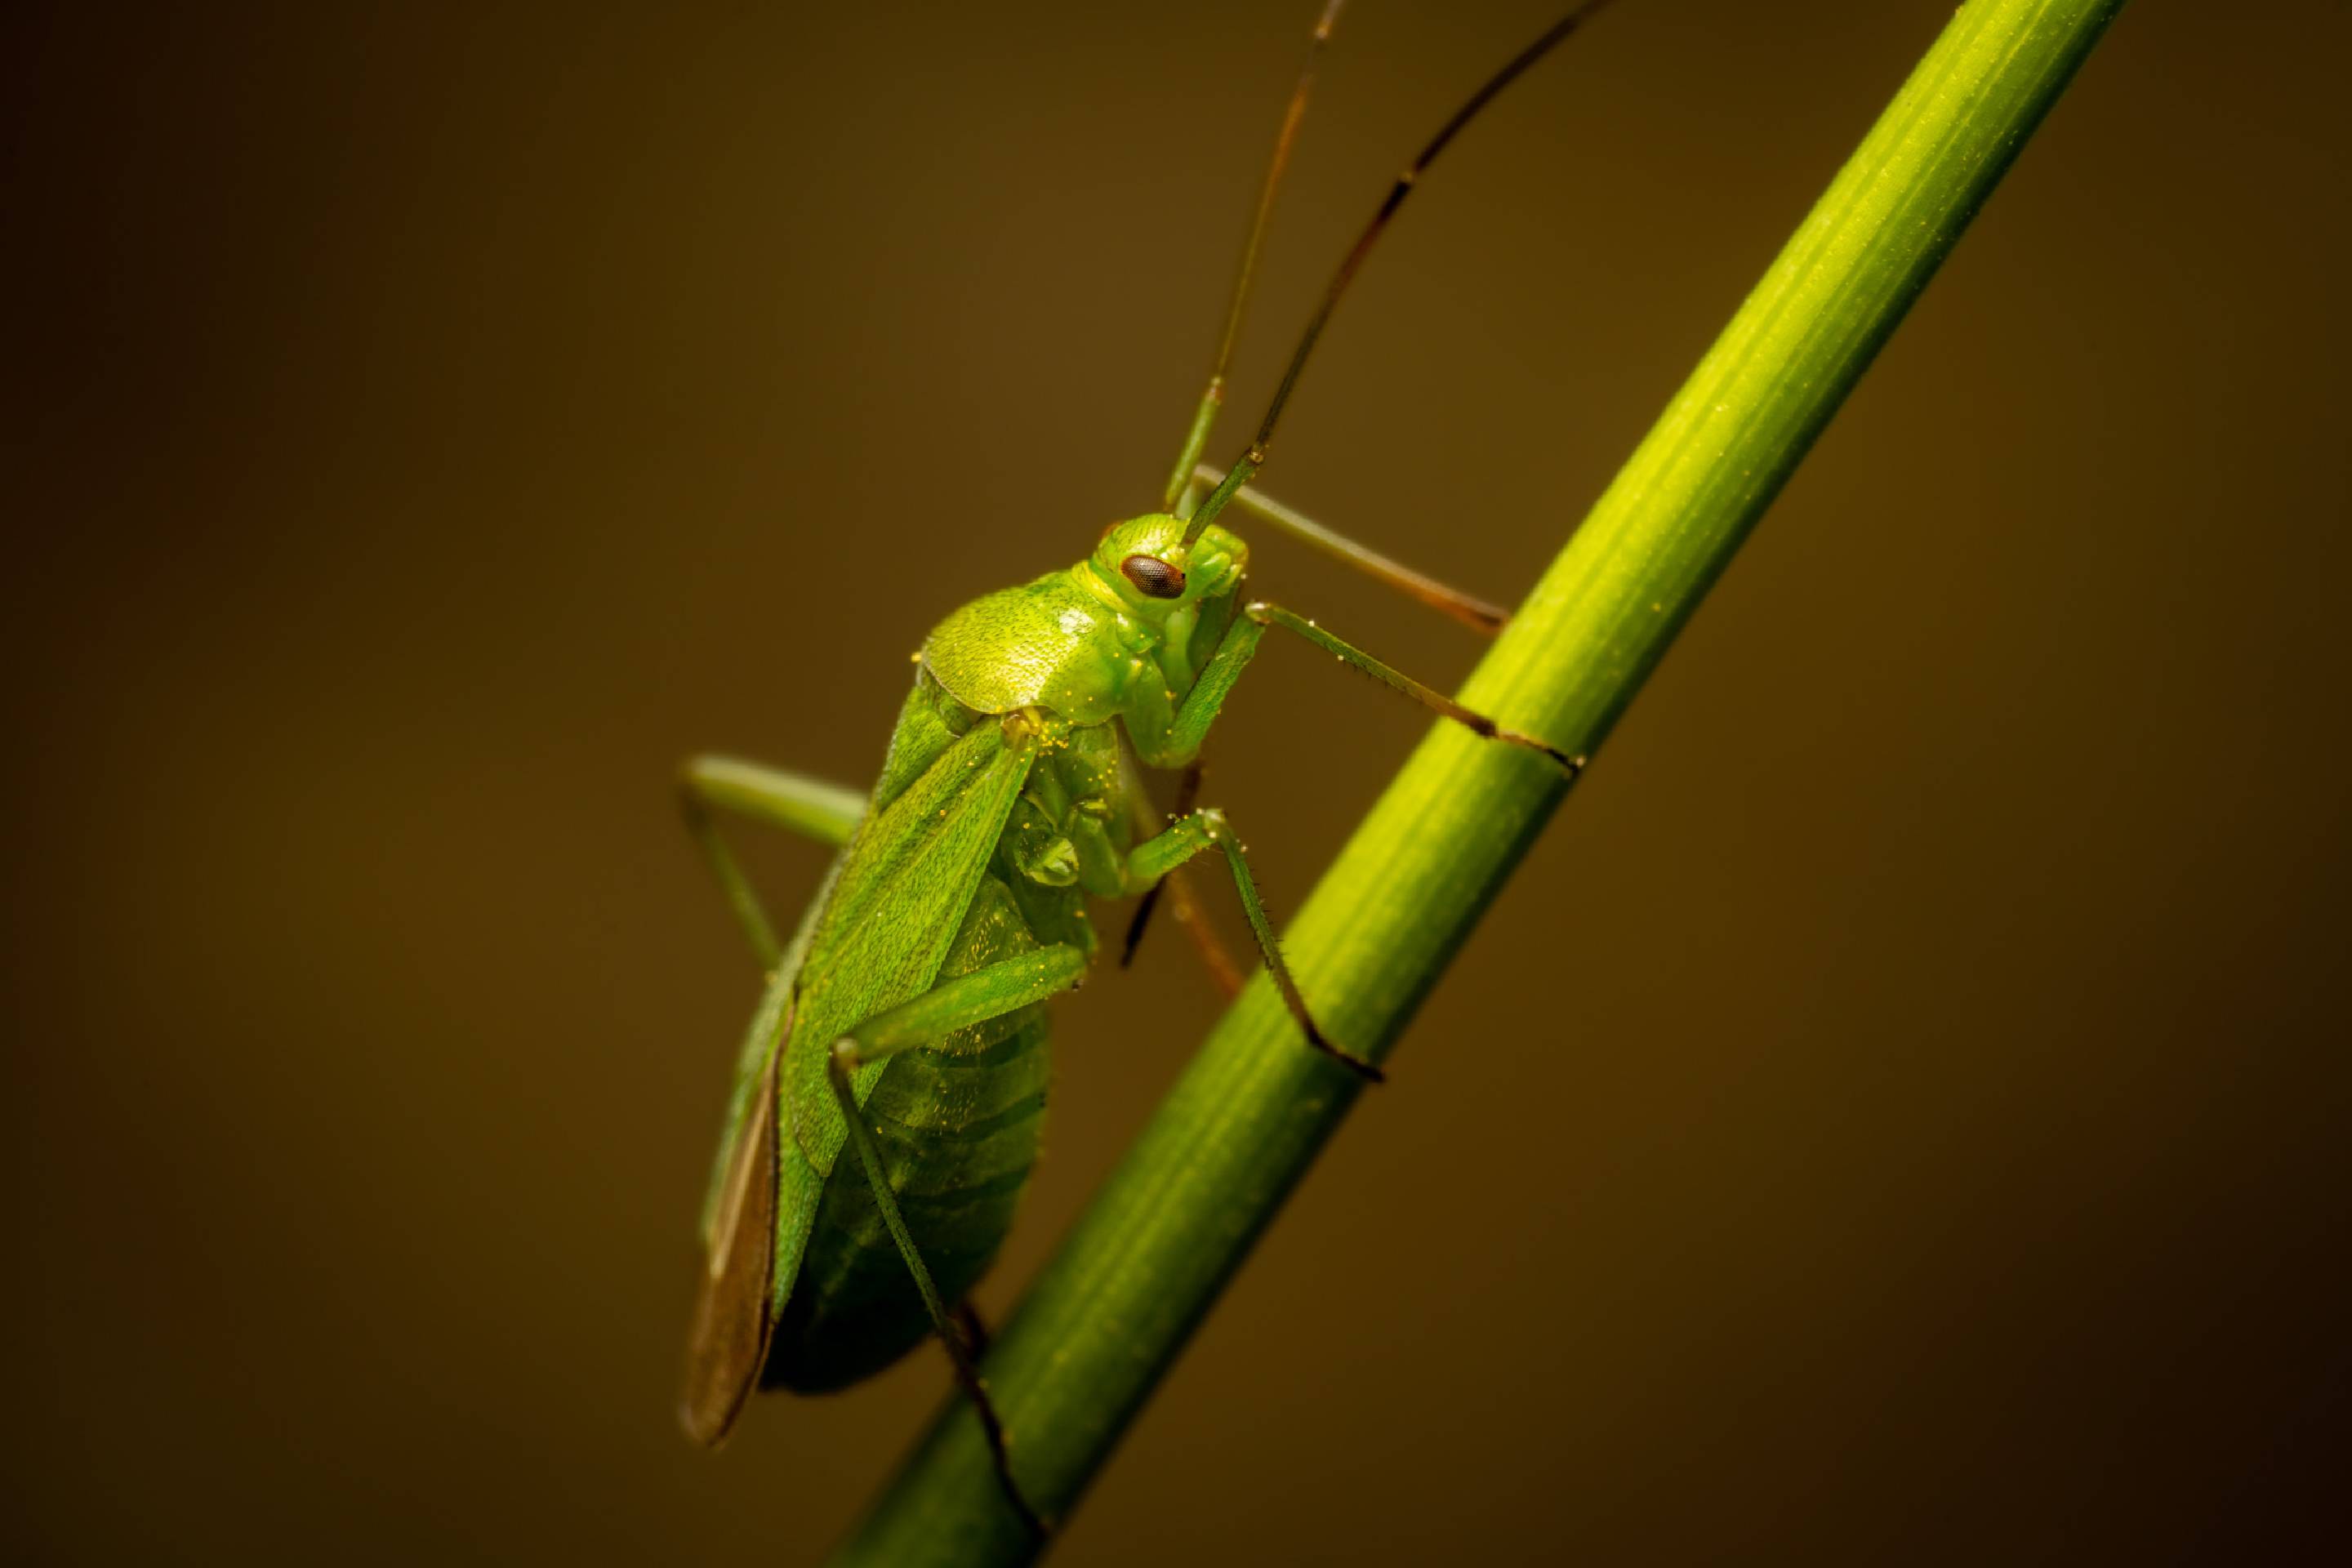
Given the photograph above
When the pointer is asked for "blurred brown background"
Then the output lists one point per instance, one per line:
(1898, 1111)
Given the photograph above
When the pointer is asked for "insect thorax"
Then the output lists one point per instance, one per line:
(1085, 642)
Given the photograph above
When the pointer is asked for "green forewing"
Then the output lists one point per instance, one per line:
(904, 884)
(760, 1044)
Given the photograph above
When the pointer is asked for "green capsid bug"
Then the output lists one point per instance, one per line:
(889, 1094)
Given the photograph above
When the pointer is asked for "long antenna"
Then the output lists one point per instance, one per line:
(1213, 398)
(1247, 467)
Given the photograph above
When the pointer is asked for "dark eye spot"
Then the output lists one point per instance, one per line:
(1152, 576)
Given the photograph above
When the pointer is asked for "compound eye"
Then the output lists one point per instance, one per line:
(1154, 577)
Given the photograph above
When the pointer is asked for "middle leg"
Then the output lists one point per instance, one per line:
(1223, 973)
(1205, 828)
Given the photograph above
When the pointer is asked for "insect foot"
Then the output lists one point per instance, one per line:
(1000, 1444)
(1346, 1058)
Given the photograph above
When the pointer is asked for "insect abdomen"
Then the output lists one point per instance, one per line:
(957, 1125)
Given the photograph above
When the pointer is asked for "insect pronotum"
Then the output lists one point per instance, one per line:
(891, 1090)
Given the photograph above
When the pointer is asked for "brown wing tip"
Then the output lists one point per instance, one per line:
(727, 1343)
(706, 1409)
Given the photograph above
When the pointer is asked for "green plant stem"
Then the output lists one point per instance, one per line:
(1107, 1316)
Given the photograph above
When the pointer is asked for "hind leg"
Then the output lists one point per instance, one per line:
(793, 802)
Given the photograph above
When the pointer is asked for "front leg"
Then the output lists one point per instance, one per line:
(1172, 737)
(1173, 742)
(1264, 614)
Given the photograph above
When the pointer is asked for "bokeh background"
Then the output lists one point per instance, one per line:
(1900, 1109)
